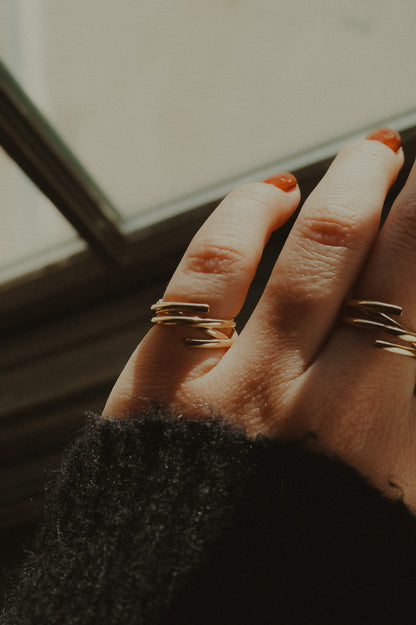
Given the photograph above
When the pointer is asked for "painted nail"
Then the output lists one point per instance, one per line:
(285, 182)
(389, 137)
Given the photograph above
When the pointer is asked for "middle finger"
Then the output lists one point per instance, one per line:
(328, 246)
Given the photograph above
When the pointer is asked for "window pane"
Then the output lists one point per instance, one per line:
(164, 99)
(32, 232)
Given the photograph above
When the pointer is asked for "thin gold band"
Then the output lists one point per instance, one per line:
(181, 313)
(379, 316)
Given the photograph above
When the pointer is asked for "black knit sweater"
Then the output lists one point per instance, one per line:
(164, 520)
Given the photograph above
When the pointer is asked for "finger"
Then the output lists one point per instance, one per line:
(328, 245)
(365, 411)
(217, 269)
(221, 260)
(390, 276)
(391, 270)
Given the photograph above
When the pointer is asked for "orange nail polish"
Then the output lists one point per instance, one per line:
(285, 182)
(389, 137)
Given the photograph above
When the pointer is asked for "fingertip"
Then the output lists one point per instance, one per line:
(370, 161)
(283, 193)
(389, 137)
(267, 196)
(400, 156)
(285, 181)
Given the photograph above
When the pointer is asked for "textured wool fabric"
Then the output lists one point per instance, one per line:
(162, 520)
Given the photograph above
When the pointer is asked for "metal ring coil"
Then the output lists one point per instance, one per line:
(374, 315)
(188, 314)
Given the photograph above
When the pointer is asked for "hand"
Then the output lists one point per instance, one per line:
(294, 369)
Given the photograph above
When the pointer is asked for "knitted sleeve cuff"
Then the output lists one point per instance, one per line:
(133, 508)
(158, 519)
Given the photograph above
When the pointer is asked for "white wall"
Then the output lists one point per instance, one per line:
(163, 99)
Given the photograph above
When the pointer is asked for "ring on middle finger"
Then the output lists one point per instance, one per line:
(375, 315)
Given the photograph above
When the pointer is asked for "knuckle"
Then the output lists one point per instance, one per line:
(207, 257)
(333, 230)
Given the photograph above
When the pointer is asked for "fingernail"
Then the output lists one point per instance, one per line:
(285, 182)
(389, 137)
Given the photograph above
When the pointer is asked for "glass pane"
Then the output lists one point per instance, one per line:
(32, 233)
(161, 100)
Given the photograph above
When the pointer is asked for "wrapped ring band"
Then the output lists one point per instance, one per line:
(379, 316)
(180, 313)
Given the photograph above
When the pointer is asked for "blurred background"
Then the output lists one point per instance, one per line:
(123, 123)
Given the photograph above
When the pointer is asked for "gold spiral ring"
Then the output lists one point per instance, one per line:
(188, 314)
(380, 316)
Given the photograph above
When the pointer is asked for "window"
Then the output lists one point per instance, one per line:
(169, 105)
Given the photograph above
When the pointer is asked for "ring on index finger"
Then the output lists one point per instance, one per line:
(184, 313)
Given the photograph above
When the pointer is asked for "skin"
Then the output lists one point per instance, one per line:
(294, 369)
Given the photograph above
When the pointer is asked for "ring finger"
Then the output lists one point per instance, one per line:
(390, 275)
